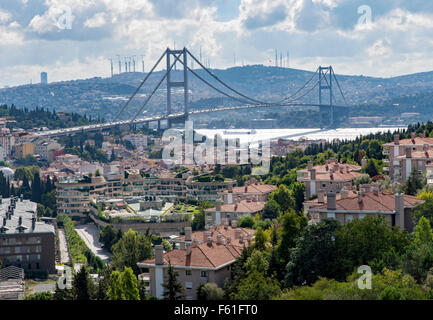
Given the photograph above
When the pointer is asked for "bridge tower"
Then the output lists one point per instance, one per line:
(180, 54)
(325, 74)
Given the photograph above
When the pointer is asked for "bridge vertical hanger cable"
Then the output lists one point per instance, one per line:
(138, 88)
(223, 83)
(339, 88)
(292, 96)
(157, 86)
(244, 96)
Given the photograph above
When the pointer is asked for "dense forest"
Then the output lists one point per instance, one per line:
(41, 117)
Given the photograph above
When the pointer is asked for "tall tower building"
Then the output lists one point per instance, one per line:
(44, 78)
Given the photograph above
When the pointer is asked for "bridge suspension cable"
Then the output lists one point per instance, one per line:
(292, 96)
(138, 88)
(276, 103)
(156, 87)
(339, 88)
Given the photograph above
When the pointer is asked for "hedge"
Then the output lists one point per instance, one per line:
(78, 249)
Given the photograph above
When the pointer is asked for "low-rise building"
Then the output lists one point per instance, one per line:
(403, 155)
(368, 201)
(24, 241)
(332, 175)
(201, 257)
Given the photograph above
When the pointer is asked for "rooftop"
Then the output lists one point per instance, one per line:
(213, 256)
(243, 206)
(380, 201)
(253, 188)
(26, 210)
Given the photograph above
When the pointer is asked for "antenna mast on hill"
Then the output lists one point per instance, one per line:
(120, 63)
(111, 63)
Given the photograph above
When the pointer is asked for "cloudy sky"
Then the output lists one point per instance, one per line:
(73, 39)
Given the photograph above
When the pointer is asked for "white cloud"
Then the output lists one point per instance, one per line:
(309, 29)
(98, 20)
(4, 16)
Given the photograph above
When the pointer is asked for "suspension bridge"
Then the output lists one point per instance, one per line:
(325, 78)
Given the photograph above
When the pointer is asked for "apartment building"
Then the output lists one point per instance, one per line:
(403, 155)
(7, 141)
(24, 241)
(74, 195)
(201, 257)
(239, 202)
(332, 175)
(46, 148)
(368, 201)
(251, 190)
(24, 149)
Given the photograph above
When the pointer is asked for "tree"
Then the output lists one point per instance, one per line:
(271, 210)
(198, 221)
(209, 291)
(371, 168)
(298, 191)
(418, 259)
(315, 255)
(109, 236)
(257, 286)
(83, 287)
(129, 285)
(115, 290)
(260, 239)
(362, 240)
(230, 171)
(284, 197)
(424, 209)
(36, 188)
(130, 249)
(374, 149)
(174, 289)
(246, 222)
(414, 183)
(292, 227)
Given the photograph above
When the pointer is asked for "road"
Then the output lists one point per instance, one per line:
(90, 234)
(64, 256)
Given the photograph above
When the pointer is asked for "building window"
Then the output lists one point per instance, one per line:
(203, 274)
(349, 218)
(188, 285)
(331, 215)
(188, 272)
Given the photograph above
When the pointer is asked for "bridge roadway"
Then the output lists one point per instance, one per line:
(107, 125)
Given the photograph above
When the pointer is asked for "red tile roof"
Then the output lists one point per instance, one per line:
(370, 202)
(253, 188)
(242, 206)
(415, 141)
(321, 168)
(335, 176)
(420, 154)
(202, 256)
(229, 232)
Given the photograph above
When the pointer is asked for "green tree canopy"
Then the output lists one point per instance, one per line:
(130, 249)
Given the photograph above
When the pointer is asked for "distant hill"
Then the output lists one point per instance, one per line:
(104, 96)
